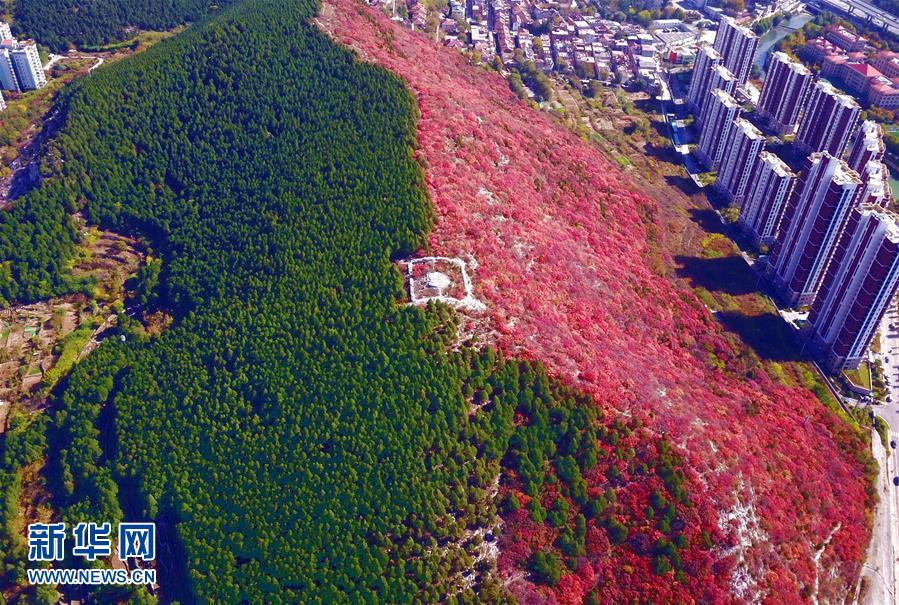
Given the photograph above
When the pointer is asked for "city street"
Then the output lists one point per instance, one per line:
(675, 111)
(864, 10)
(880, 568)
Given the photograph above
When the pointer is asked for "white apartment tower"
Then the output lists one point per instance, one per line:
(813, 222)
(722, 110)
(771, 185)
(741, 152)
(738, 46)
(784, 93)
(20, 66)
(861, 281)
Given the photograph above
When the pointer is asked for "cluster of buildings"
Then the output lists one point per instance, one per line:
(20, 64)
(834, 246)
(844, 57)
(556, 37)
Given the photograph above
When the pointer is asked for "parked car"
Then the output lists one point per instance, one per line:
(893, 444)
(896, 481)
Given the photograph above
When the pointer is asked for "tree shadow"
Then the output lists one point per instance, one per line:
(650, 105)
(662, 153)
(685, 184)
(728, 274)
(707, 219)
(768, 334)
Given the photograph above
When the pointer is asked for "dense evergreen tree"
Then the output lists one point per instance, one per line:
(298, 434)
(62, 23)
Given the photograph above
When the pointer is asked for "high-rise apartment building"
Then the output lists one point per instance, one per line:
(829, 118)
(741, 152)
(722, 111)
(719, 79)
(706, 58)
(813, 222)
(860, 283)
(20, 66)
(771, 184)
(708, 74)
(876, 184)
(5, 31)
(738, 46)
(786, 87)
(867, 145)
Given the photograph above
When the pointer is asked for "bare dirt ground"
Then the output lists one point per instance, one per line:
(30, 335)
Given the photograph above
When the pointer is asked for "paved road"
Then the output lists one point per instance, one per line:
(864, 10)
(881, 569)
(674, 109)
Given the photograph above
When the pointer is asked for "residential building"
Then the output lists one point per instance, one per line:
(723, 109)
(875, 178)
(812, 223)
(853, 72)
(706, 59)
(20, 66)
(786, 87)
(8, 79)
(5, 31)
(817, 49)
(828, 119)
(883, 92)
(861, 281)
(887, 63)
(741, 152)
(867, 145)
(846, 39)
(28, 67)
(719, 79)
(771, 184)
(738, 46)
(862, 78)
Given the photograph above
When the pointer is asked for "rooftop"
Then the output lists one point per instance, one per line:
(830, 90)
(748, 129)
(724, 73)
(795, 66)
(776, 164)
(745, 31)
(727, 100)
(843, 174)
(871, 135)
(886, 217)
(878, 179)
(866, 69)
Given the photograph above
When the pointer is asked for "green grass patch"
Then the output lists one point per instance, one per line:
(860, 377)
(716, 245)
(623, 161)
(882, 429)
(875, 344)
(70, 347)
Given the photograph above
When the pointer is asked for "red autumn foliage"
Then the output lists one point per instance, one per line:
(560, 240)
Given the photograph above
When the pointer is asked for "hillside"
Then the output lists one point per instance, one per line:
(299, 433)
(60, 24)
(562, 243)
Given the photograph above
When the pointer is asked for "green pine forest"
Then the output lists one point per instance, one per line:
(298, 434)
(61, 24)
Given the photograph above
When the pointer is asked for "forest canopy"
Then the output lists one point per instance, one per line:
(299, 434)
(60, 24)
